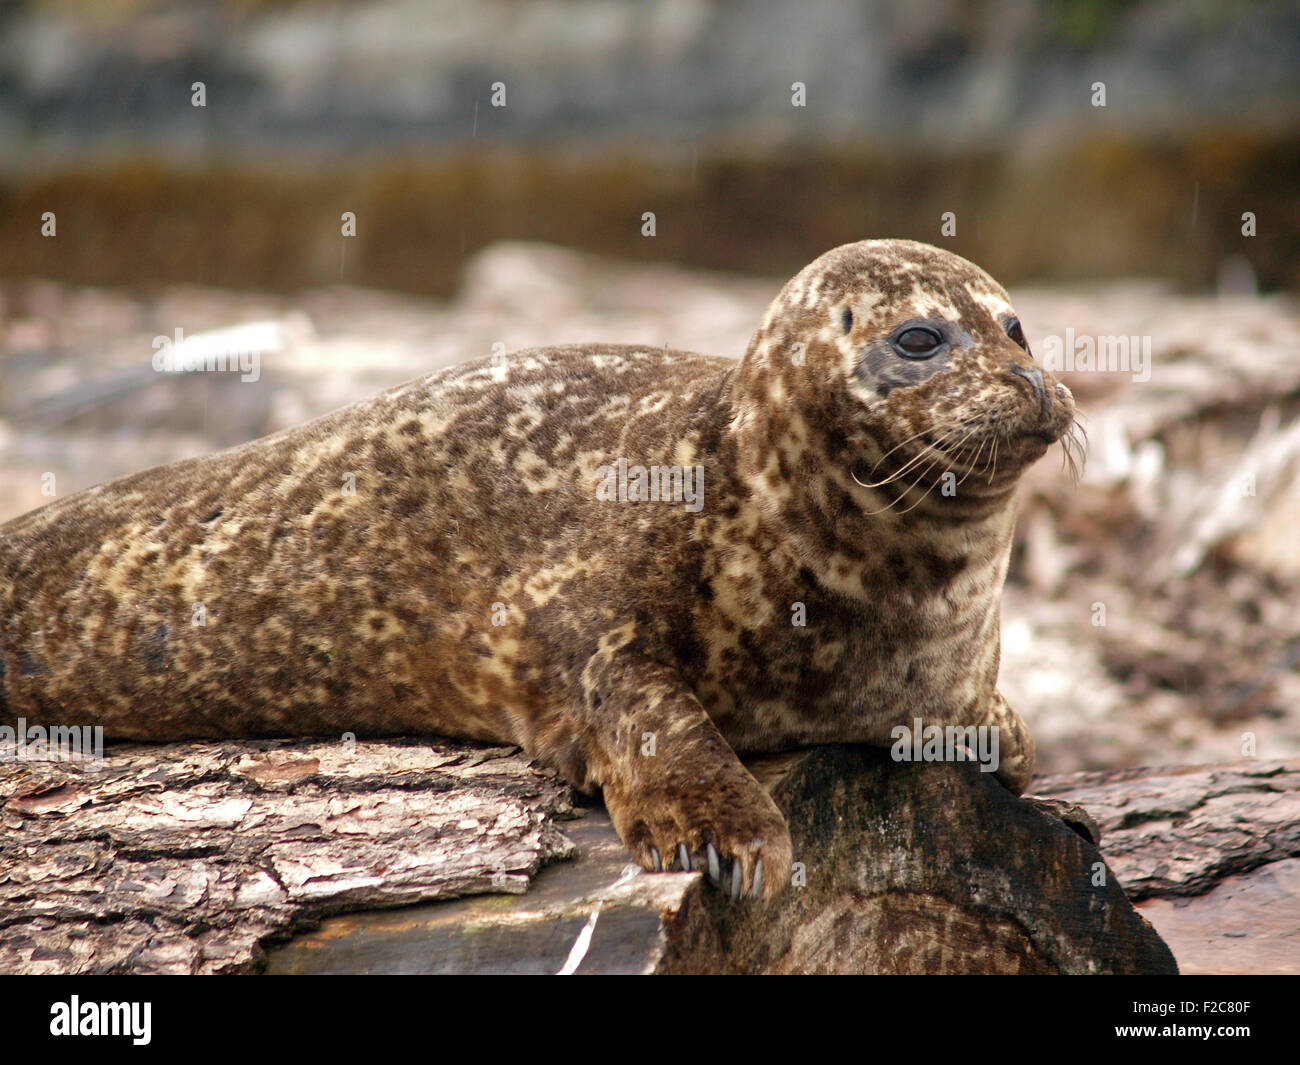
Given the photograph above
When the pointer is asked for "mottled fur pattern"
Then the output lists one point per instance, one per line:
(439, 560)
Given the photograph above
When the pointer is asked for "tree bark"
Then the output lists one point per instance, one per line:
(186, 857)
(199, 858)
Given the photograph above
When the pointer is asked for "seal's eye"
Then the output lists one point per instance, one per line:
(919, 342)
(1016, 333)
(846, 318)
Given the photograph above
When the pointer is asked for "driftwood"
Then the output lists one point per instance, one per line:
(905, 869)
(1211, 853)
(306, 857)
(184, 858)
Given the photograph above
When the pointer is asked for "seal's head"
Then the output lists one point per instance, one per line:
(890, 364)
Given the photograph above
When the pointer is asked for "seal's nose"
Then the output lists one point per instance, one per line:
(1034, 376)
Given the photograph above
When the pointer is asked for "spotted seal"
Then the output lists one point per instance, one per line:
(637, 564)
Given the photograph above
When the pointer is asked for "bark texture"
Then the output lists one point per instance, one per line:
(197, 858)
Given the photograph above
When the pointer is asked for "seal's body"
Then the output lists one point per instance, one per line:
(633, 563)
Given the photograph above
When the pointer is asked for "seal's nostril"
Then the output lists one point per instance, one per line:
(1034, 376)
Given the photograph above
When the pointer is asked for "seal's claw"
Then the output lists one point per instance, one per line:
(721, 830)
(758, 880)
(656, 860)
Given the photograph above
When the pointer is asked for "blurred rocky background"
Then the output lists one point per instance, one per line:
(1153, 610)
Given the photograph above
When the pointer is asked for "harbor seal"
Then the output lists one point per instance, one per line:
(636, 564)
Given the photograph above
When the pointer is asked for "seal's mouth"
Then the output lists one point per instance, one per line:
(978, 447)
(976, 455)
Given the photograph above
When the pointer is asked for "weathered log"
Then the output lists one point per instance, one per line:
(184, 858)
(195, 857)
(1210, 853)
(1167, 833)
(923, 869)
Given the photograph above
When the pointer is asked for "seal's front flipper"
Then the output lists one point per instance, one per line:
(678, 795)
(1015, 744)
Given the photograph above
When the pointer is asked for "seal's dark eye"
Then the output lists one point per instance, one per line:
(846, 319)
(917, 342)
(1016, 333)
